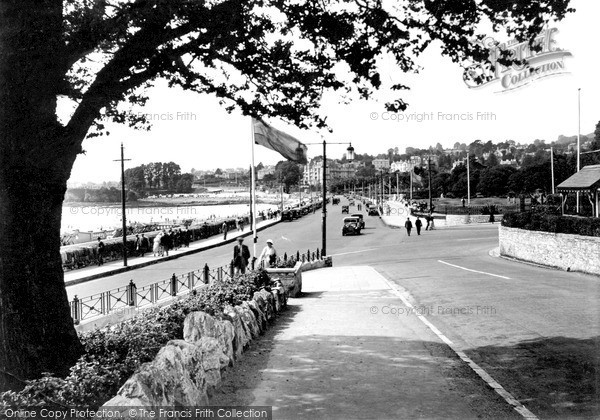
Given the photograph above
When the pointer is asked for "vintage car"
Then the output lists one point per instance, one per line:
(351, 226)
(287, 215)
(345, 209)
(360, 218)
(373, 211)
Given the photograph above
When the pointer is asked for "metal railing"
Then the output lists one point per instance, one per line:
(132, 296)
(290, 261)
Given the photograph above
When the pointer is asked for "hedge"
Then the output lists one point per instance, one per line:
(83, 255)
(112, 354)
(546, 222)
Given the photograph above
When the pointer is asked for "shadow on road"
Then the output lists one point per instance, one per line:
(333, 376)
(553, 377)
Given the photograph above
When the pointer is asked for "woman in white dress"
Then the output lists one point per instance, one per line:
(268, 256)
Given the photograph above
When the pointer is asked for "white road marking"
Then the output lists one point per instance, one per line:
(353, 252)
(492, 383)
(474, 239)
(474, 271)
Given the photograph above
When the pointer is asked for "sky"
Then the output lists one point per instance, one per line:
(195, 132)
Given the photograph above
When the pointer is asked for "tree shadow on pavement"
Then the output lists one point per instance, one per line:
(339, 376)
(556, 377)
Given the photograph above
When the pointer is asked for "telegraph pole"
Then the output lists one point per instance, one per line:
(468, 181)
(429, 170)
(123, 216)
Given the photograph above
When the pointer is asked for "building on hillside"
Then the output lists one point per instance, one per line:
(381, 164)
(401, 166)
(416, 160)
(313, 171)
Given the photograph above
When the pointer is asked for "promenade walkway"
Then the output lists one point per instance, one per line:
(116, 267)
(348, 349)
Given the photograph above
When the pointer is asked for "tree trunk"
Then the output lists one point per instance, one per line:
(36, 331)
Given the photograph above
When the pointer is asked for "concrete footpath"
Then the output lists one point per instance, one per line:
(116, 267)
(349, 348)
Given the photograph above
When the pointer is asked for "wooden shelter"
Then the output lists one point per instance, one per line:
(587, 180)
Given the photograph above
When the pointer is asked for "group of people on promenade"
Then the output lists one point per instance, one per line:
(166, 241)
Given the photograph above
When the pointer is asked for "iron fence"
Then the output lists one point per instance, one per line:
(132, 296)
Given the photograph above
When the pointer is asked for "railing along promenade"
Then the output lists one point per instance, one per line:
(132, 296)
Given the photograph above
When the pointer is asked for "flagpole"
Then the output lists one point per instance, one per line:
(253, 186)
(578, 138)
(552, 167)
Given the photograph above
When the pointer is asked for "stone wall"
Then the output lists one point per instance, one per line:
(465, 219)
(186, 372)
(559, 250)
(291, 278)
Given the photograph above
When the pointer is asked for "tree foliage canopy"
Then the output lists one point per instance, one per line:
(267, 57)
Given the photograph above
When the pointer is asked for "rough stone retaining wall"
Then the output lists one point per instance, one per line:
(559, 250)
(186, 372)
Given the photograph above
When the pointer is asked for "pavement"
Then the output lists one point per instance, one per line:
(115, 267)
(351, 348)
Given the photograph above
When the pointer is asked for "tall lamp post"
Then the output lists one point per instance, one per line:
(350, 157)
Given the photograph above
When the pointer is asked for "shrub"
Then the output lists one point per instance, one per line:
(112, 354)
(543, 219)
(83, 255)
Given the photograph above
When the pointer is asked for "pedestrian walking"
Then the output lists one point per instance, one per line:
(408, 225)
(268, 256)
(241, 225)
(241, 256)
(224, 229)
(156, 244)
(164, 244)
(428, 220)
(137, 244)
(186, 237)
(145, 244)
(418, 225)
(462, 200)
(100, 251)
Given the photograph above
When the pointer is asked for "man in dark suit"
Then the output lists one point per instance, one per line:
(241, 256)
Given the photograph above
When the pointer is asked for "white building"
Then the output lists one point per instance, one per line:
(381, 164)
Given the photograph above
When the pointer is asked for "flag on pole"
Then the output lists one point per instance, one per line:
(288, 146)
(416, 179)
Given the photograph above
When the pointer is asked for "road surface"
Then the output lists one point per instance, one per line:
(535, 330)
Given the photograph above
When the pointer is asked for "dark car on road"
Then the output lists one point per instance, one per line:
(373, 211)
(360, 218)
(351, 226)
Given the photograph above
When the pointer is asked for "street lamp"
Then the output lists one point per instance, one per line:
(350, 157)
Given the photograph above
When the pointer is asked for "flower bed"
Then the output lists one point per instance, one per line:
(113, 354)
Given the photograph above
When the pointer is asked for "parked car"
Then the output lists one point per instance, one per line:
(351, 226)
(286, 215)
(360, 218)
